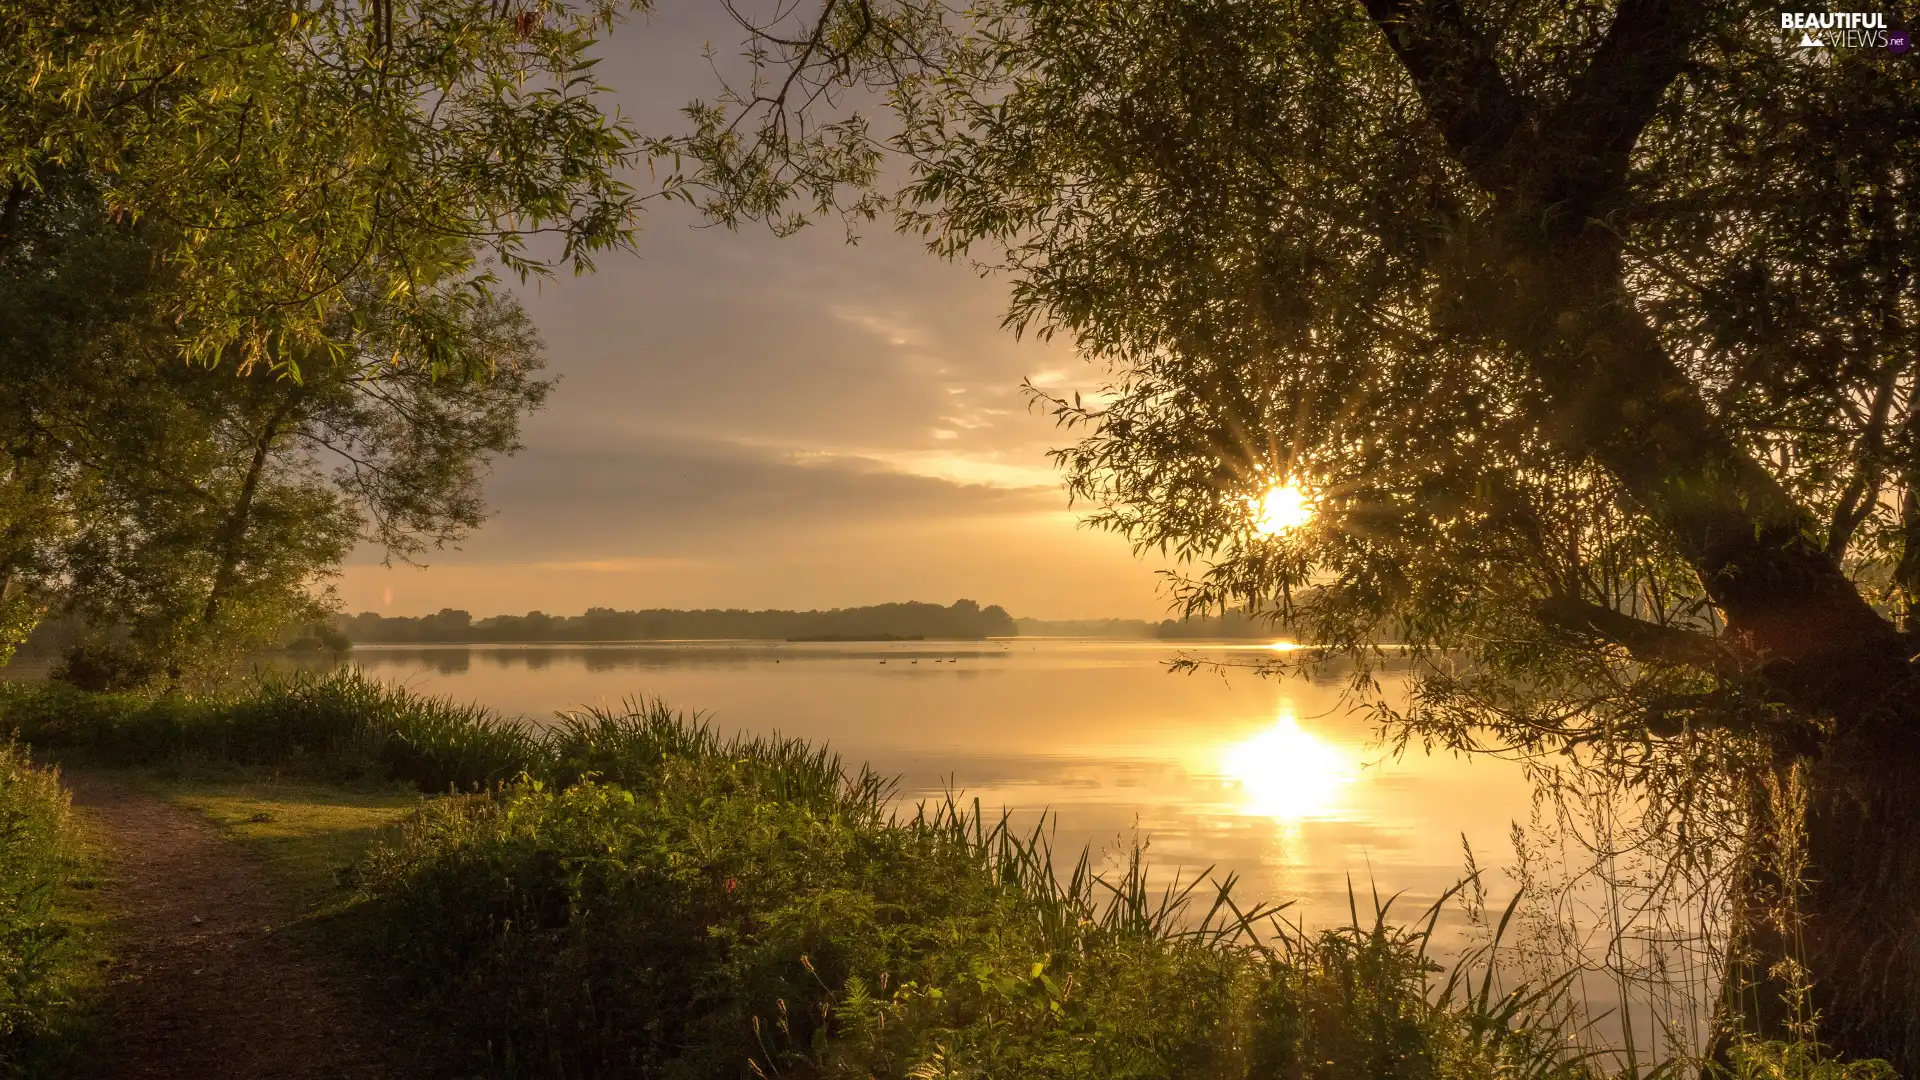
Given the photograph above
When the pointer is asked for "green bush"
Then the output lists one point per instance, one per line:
(741, 908)
(339, 725)
(116, 727)
(630, 894)
(354, 722)
(344, 724)
(643, 746)
(41, 957)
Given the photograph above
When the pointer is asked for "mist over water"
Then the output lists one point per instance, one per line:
(1279, 780)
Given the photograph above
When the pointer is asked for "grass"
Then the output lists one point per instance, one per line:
(309, 835)
(632, 894)
(748, 907)
(50, 958)
(338, 728)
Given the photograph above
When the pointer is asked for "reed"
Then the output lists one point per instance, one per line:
(748, 907)
(633, 745)
(338, 725)
(629, 892)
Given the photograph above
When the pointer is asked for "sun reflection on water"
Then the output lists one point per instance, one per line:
(1286, 772)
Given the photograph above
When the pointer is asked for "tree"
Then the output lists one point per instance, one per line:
(247, 310)
(187, 511)
(294, 153)
(1591, 327)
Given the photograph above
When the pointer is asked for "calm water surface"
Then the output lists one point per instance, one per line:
(1275, 779)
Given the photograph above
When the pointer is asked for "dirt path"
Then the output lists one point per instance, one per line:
(206, 984)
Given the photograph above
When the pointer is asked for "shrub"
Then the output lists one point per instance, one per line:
(355, 722)
(105, 665)
(642, 746)
(338, 725)
(117, 727)
(726, 911)
(41, 962)
(631, 894)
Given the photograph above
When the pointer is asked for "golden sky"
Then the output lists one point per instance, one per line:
(745, 421)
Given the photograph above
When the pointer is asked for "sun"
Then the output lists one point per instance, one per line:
(1286, 772)
(1283, 508)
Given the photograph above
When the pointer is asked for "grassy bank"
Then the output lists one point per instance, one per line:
(48, 944)
(340, 728)
(630, 894)
(742, 913)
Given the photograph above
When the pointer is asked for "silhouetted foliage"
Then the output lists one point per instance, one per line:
(1593, 330)
(964, 620)
(248, 259)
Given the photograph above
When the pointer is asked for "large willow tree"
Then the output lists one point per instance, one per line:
(1592, 326)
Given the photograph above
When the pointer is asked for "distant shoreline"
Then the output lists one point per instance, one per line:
(964, 620)
(961, 620)
(843, 639)
(840, 639)
(872, 637)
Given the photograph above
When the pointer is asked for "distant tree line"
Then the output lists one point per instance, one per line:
(1230, 624)
(965, 619)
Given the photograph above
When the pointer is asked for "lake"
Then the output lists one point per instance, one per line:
(1276, 779)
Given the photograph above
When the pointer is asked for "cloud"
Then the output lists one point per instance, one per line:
(892, 330)
(757, 420)
(988, 469)
(623, 566)
(666, 499)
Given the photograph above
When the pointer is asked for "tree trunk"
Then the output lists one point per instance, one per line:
(1843, 951)
(10, 209)
(1547, 280)
(1827, 934)
(233, 534)
(1848, 869)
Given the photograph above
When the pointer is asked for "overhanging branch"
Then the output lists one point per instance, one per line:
(1647, 642)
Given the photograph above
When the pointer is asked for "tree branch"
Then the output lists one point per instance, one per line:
(1555, 293)
(234, 534)
(1591, 135)
(1647, 642)
(1863, 489)
(1454, 70)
